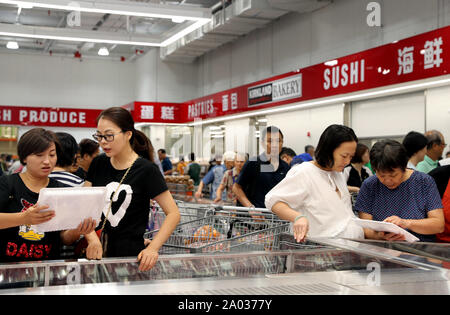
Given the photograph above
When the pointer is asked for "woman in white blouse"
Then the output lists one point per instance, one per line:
(314, 195)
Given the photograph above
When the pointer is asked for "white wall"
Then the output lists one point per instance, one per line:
(296, 125)
(44, 81)
(300, 40)
(389, 116)
(77, 133)
(160, 81)
(237, 135)
(438, 111)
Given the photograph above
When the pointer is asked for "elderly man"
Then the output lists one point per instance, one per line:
(435, 148)
(215, 175)
(229, 178)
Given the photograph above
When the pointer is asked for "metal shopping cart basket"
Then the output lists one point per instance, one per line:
(228, 229)
(188, 212)
(189, 209)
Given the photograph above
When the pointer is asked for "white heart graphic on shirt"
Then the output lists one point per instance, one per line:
(115, 219)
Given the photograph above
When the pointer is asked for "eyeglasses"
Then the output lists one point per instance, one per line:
(108, 137)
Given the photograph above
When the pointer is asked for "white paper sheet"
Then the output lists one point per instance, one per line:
(386, 227)
(72, 206)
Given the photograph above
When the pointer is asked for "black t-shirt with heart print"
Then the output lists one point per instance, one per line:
(22, 243)
(129, 215)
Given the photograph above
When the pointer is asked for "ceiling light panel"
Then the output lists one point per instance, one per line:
(75, 35)
(164, 32)
(163, 11)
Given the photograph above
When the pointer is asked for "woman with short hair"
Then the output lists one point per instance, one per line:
(399, 195)
(19, 194)
(314, 195)
(67, 156)
(356, 173)
(415, 144)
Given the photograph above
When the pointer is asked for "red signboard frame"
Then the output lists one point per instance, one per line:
(415, 58)
(48, 116)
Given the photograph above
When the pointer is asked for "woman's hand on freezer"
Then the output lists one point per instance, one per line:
(301, 227)
(94, 249)
(147, 259)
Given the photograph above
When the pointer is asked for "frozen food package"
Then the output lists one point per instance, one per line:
(72, 206)
(386, 227)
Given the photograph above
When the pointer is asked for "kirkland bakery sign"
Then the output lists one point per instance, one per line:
(50, 117)
(279, 90)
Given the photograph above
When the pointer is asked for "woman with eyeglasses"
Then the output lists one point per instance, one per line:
(127, 169)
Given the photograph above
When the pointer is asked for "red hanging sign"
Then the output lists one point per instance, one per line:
(416, 58)
(49, 117)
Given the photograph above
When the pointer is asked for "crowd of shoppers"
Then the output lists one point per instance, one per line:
(401, 183)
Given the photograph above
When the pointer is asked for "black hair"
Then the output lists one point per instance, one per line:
(361, 149)
(271, 129)
(124, 120)
(162, 151)
(330, 140)
(414, 142)
(433, 137)
(68, 148)
(88, 146)
(307, 147)
(35, 141)
(388, 155)
(288, 152)
(192, 156)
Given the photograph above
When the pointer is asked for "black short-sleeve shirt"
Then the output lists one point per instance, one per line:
(22, 243)
(258, 177)
(130, 213)
(441, 176)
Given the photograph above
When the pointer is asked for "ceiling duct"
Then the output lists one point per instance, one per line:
(302, 6)
(236, 20)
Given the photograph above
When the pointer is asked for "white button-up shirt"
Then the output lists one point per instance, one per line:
(311, 191)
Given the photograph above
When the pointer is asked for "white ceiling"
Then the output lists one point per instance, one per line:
(242, 17)
(91, 23)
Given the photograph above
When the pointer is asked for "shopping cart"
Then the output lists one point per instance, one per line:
(190, 209)
(226, 229)
(188, 212)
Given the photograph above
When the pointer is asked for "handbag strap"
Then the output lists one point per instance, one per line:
(117, 189)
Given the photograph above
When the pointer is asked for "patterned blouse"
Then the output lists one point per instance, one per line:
(229, 178)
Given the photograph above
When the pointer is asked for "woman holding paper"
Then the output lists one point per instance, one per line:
(18, 197)
(132, 179)
(314, 195)
(407, 198)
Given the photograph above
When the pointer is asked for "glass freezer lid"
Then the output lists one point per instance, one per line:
(439, 251)
(313, 256)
